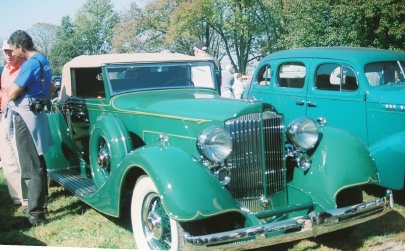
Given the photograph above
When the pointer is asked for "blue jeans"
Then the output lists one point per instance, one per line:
(33, 168)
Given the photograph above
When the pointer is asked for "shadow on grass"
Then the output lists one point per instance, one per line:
(79, 207)
(8, 236)
(399, 195)
(17, 238)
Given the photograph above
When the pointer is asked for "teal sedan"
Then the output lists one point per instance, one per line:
(361, 90)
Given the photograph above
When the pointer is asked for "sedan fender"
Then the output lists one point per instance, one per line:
(339, 161)
(390, 159)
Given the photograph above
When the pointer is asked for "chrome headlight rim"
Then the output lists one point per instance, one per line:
(215, 143)
(303, 132)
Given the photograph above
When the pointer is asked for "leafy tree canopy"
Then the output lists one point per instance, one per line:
(237, 31)
(44, 36)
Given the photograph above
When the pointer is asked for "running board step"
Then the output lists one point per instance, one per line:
(73, 181)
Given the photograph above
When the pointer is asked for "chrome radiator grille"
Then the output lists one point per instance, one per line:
(256, 162)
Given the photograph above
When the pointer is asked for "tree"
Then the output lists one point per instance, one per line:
(370, 23)
(270, 27)
(44, 36)
(145, 30)
(233, 27)
(365, 23)
(126, 33)
(66, 47)
(94, 24)
(90, 33)
(187, 27)
(237, 30)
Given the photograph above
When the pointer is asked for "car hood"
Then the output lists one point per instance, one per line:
(205, 105)
(387, 94)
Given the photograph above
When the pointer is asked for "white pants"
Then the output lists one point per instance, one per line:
(227, 94)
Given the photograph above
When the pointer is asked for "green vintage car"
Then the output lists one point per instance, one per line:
(361, 90)
(197, 171)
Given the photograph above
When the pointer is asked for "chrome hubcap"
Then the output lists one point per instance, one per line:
(155, 225)
(103, 159)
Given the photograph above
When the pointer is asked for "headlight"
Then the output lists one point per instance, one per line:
(303, 132)
(215, 143)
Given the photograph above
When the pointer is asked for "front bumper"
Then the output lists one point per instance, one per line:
(311, 225)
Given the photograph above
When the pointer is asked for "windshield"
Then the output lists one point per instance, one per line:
(135, 77)
(385, 73)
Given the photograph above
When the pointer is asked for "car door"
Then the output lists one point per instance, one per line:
(282, 83)
(77, 120)
(86, 85)
(334, 93)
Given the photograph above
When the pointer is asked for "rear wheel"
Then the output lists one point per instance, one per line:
(100, 158)
(152, 227)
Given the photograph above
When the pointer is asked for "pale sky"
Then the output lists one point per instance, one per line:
(23, 14)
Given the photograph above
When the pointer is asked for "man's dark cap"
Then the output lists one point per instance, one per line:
(201, 46)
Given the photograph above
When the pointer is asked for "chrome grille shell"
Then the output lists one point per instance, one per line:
(256, 163)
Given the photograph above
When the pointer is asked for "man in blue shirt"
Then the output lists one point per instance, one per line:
(28, 122)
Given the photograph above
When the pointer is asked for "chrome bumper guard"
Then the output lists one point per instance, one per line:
(307, 226)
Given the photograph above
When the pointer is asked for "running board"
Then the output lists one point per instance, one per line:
(73, 181)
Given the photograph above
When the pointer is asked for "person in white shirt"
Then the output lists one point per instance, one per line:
(238, 86)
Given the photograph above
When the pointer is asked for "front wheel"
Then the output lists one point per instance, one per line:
(152, 227)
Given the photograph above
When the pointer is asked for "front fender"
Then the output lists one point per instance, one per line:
(189, 191)
(389, 155)
(339, 161)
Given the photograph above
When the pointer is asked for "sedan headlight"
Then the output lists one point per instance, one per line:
(303, 132)
(215, 143)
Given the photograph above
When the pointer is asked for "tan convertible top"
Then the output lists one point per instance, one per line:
(90, 61)
(100, 60)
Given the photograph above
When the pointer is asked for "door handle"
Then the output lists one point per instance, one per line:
(310, 104)
(302, 102)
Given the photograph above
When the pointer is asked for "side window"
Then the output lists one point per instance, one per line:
(335, 77)
(385, 73)
(88, 83)
(264, 75)
(291, 75)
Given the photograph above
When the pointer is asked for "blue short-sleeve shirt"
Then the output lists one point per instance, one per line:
(29, 77)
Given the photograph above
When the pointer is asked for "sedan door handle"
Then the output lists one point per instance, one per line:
(310, 104)
(302, 102)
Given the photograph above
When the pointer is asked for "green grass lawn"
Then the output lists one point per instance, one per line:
(72, 223)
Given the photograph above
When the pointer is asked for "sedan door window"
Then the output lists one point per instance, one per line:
(291, 75)
(385, 73)
(335, 77)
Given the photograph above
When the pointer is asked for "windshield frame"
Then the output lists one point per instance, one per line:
(135, 77)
